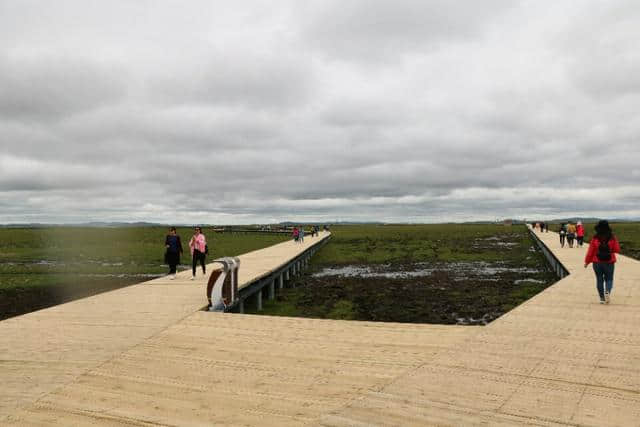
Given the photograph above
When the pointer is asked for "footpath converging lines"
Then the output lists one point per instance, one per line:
(560, 358)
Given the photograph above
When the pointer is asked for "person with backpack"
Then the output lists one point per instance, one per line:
(602, 253)
(580, 233)
(563, 234)
(199, 249)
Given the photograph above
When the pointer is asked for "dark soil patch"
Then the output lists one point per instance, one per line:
(20, 300)
(442, 297)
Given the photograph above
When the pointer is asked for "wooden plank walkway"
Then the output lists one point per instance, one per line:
(561, 358)
(46, 349)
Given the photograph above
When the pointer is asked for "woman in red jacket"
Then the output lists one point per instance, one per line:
(602, 253)
(580, 233)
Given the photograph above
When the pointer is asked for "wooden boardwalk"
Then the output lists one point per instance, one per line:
(46, 349)
(561, 358)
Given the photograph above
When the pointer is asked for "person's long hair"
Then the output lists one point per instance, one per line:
(603, 230)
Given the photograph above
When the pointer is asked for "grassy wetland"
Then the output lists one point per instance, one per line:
(450, 274)
(464, 274)
(40, 267)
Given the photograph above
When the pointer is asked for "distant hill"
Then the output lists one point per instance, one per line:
(96, 224)
(106, 224)
(291, 223)
(587, 220)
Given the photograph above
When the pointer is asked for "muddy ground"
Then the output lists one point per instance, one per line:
(445, 274)
(444, 296)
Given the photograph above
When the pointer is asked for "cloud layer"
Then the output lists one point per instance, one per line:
(321, 110)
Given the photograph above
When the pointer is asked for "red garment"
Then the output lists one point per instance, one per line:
(592, 253)
(580, 230)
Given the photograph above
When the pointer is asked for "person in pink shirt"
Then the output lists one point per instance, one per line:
(198, 246)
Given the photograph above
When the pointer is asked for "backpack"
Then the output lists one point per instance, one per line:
(604, 252)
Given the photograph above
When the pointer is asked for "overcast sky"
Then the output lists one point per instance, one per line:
(262, 111)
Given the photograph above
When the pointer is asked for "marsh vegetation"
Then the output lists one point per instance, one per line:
(451, 274)
(467, 274)
(40, 267)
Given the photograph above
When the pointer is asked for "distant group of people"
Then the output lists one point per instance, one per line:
(571, 233)
(601, 253)
(542, 226)
(298, 233)
(199, 248)
(173, 250)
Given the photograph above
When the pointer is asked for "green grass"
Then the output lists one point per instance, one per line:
(45, 266)
(128, 245)
(438, 298)
(372, 244)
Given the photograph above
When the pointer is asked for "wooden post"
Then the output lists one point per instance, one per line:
(272, 289)
(259, 300)
(241, 307)
(281, 281)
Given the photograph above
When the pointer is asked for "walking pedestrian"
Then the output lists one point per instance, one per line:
(602, 253)
(301, 234)
(296, 234)
(563, 234)
(571, 234)
(173, 250)
(580, 233)
(198, 246)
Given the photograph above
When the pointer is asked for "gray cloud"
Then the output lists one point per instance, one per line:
(381, 30)
(244, 79)
(392, 111)
(43, 87)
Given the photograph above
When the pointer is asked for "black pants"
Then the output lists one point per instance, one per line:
(562, 237)
(173, 259)
(580, 240)
(197, 256)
